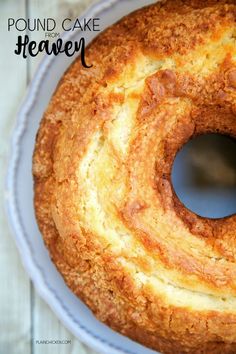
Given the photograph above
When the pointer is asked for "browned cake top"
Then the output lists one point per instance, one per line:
(104, 201)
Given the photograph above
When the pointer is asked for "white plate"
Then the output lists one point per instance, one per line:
(48, 282)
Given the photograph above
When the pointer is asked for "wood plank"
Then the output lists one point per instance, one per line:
(15, 285)
(46, 326)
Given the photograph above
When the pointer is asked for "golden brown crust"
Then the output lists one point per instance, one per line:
(124, 243)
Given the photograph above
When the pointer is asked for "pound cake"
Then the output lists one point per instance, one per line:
(124, 243)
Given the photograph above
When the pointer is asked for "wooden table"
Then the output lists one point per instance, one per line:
(24, 317)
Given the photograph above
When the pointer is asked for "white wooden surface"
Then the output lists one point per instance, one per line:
(24, 317)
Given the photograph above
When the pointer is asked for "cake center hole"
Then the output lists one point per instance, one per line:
(204, 175)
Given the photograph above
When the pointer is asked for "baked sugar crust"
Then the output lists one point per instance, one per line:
(144, 264)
